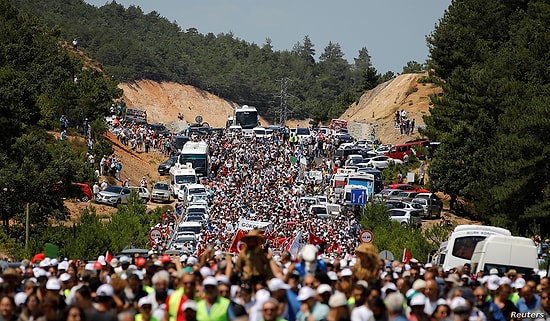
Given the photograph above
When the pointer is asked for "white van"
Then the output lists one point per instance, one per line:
(504, 253)
(181, 175)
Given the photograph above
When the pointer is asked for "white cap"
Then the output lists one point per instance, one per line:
(389, 286)
(20, 298)
(493, 271)
(458, 302)
(505, 280)
(53, 284)
(323, 288)
(418, 299)
(338, 299)
(223, 279)
(189, 304)
(105, 290)
(493, 282)
(54, 262)
(332, 275)
(145, 300)
(277, 284)
(305, 293)
(419, 284)
(205, 271)
(519, 283)
(210, 280)
(64, 277)
(346, 272)
(64, 265)
(191, 261)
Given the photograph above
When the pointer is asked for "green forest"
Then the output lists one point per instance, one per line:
(132, 45)
(492, 59)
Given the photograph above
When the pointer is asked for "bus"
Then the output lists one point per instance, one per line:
(362, 179)
(459, 248)
(246, 117)
(198, 154)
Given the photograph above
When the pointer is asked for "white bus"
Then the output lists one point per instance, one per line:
(246, 117)
(198, 154)
(459, 248)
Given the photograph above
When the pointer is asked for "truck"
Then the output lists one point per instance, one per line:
(136, 115)
(181, 175)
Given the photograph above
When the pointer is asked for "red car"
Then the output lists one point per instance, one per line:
(407, 187)
(80, 191)
(84, 192)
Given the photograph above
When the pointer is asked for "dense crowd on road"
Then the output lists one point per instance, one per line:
(257, 286)
(330, 276)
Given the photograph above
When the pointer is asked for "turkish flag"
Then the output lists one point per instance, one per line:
(314, 239)
(407, 256)
(237, 245)
(108, 257)
(38, 257)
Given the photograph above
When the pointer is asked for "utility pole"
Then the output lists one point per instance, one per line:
(27, 224)
(283, 107)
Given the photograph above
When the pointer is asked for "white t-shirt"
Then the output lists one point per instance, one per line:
(362, 313)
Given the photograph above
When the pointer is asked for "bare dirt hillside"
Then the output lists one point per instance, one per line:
(376, 107)
(163, 101)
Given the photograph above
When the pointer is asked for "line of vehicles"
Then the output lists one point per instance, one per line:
(486, 248)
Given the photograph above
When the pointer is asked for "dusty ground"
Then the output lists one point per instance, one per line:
(377, 107)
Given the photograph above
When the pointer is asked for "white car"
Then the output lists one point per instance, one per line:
(382, 149)
(383, 162)
(188, 190)
(143, 192)
(406, 217)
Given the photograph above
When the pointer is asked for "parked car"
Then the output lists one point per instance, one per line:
(385, 194)
(159, 128)
(164, 168)
(84, 193)
(405, 205)
(113, 195)
(142, 192)
(407, 187)
(432, 204)
(382, 162)
(405, 196)
(406, 217)
(344, 138)
(160, 192)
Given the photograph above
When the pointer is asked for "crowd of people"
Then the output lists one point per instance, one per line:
(329, 274)
(258, 286)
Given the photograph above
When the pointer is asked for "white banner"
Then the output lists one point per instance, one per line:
(247, 225)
